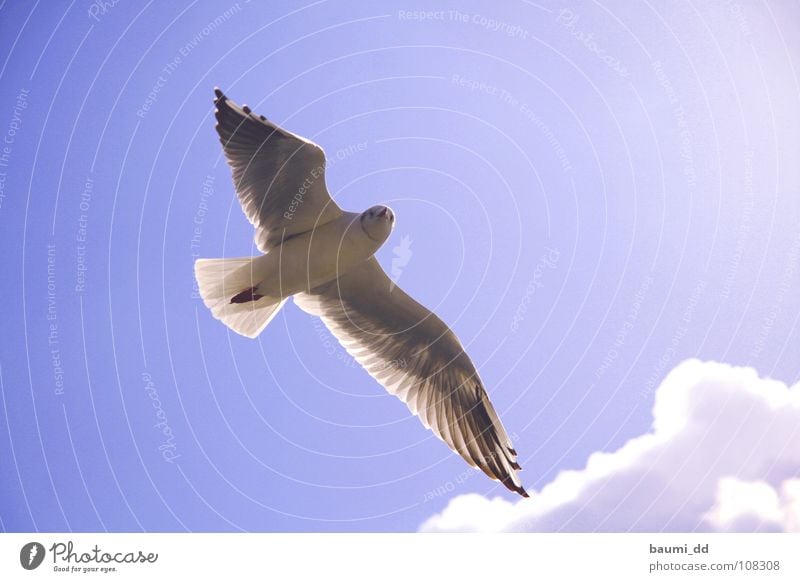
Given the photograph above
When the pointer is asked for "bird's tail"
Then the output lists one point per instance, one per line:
(227, 289)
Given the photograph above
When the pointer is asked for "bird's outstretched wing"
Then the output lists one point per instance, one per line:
(279, 176)
(416, 357)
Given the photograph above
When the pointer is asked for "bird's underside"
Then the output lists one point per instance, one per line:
(399, 342)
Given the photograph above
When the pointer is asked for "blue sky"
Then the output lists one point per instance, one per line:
(588, 193)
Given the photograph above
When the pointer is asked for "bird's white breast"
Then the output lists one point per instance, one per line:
(313, 258)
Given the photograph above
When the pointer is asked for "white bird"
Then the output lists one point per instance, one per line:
(324, 258)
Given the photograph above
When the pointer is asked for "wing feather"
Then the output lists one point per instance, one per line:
(279, 176)
(416, 357)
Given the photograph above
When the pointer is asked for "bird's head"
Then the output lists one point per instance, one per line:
(378, 222)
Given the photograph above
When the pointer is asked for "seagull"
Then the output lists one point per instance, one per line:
(324, 258)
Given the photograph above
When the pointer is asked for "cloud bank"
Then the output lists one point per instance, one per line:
(723, 455)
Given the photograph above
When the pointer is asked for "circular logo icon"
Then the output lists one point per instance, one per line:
(31, 555)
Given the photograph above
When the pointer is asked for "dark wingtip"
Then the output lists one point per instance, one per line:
(508, 481)
(515, 465)
(518, 489)
(220, 102)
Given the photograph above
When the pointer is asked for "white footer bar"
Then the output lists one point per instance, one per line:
(401, 557)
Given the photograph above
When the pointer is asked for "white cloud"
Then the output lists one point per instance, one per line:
(755, 506)
(724, 455)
